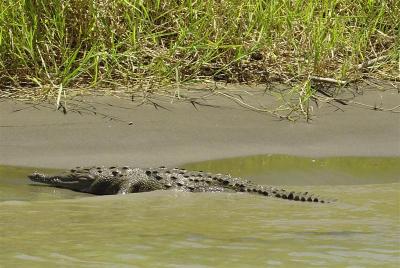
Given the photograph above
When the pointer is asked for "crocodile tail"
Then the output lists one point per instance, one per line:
(289, 195)
(303, 197)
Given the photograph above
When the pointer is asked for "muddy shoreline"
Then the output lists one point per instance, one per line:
(178, 132)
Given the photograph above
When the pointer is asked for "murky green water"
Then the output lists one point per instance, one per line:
(49, 227)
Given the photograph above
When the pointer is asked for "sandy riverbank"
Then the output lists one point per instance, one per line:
(39, 136)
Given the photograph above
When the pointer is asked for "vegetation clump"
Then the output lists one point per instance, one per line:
(53, 45)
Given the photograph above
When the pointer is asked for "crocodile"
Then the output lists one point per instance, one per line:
(123, 180)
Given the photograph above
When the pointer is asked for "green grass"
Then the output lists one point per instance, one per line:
(51, 44)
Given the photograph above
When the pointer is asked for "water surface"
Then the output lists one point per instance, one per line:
(49, 227)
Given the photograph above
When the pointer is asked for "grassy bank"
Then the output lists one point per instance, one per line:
(53, 45)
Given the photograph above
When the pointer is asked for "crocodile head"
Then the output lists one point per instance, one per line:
(77, 182)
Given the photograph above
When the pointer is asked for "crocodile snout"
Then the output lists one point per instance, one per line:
(37, 177)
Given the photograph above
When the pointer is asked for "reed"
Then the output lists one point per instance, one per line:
(48, 44)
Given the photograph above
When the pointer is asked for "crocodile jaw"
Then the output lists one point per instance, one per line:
(80, 183)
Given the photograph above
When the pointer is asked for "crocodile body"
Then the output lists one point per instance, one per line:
(123, 180)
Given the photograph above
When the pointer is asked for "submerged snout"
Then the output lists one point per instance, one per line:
(70, 181)
(37, 177)
(53, 180)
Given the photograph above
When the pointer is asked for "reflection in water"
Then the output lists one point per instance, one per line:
(42, 226)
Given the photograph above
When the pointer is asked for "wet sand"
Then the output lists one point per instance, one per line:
(181, 133)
